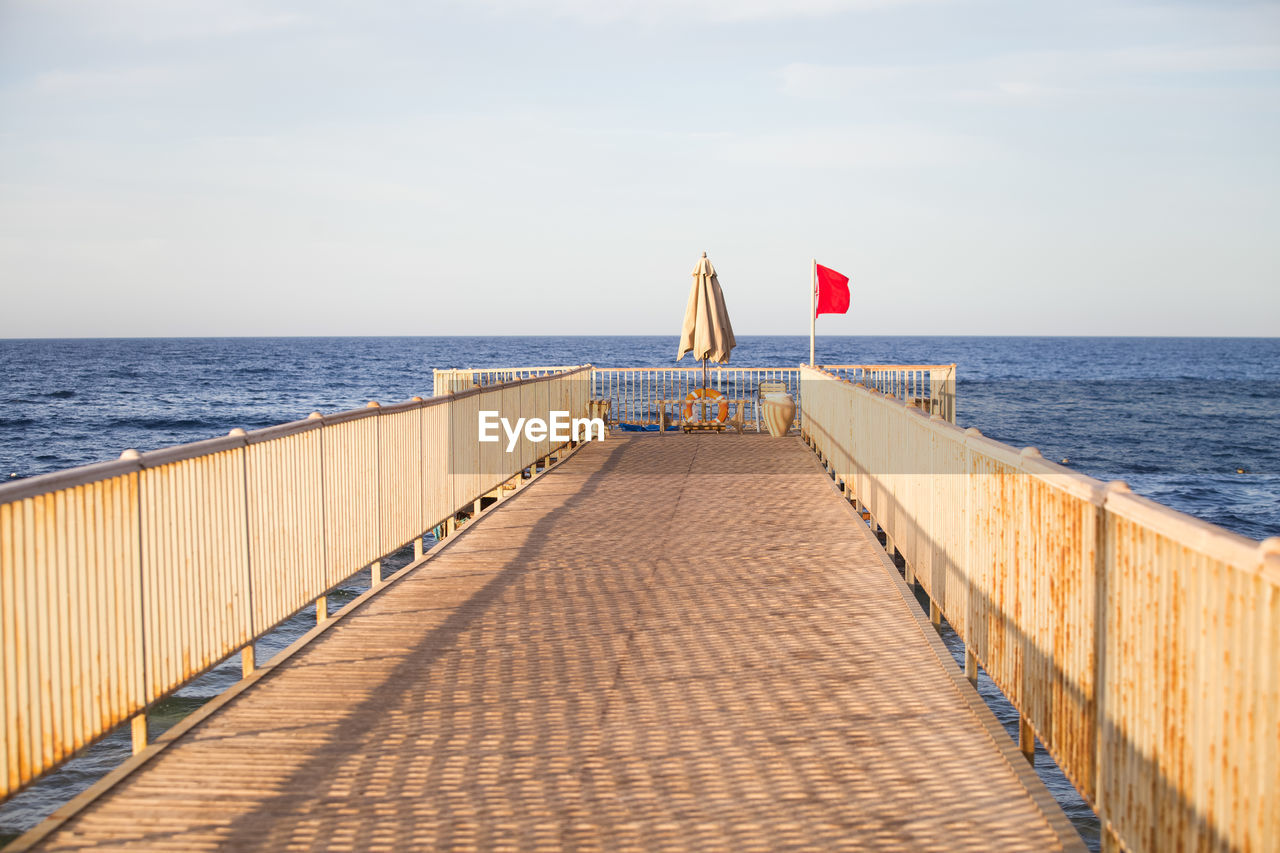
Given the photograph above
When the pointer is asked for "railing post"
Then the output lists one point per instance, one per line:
(138, 731)
(417, 547)
(971, 667)
(1026, 739)
(1110, 841)
(322, 609)
(375, 570)
(248, 662)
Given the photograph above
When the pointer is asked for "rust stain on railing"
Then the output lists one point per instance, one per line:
(1139, 643)
(121, 581)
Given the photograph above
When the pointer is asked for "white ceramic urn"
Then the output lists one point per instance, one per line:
(779, 409)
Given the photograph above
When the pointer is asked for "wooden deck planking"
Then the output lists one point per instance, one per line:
(667, 643)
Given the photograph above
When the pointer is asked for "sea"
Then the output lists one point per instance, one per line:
(1191, 422)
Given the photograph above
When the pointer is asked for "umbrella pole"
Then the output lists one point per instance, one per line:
(704, 388)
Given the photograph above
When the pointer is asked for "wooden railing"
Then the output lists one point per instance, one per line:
(121, 581)
(931, 387)
(452, 380)
(1141, 645)
(637, 393)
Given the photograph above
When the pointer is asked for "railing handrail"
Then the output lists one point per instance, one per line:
(830, 367)
(1185, 528)
(95, 471)
(767, 368)
(545, 368)
(698, 367)
(1175, 523)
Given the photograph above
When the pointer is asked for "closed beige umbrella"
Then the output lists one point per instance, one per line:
(707, 332)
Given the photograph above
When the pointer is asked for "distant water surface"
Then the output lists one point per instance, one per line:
(1177, 418)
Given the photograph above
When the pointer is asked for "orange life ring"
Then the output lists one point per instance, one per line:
(692, 397)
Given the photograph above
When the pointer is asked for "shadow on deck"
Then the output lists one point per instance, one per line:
(681, 642)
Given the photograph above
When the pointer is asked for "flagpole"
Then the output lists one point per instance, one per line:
(813, 305)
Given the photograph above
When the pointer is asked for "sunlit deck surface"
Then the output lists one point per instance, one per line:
(666, 643)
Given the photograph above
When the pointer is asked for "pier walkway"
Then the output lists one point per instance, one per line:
(674, 643)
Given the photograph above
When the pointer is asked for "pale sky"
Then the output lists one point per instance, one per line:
(227, 167)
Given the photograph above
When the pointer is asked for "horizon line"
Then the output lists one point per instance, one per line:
(626, 335)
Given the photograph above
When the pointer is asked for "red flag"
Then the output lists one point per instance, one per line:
(833, 291)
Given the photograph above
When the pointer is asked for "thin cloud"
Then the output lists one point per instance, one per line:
(166, 20)
(1025, 77)
(721, 11)
(1191, 60)
(1016, 77)
(114, 82)
(807, 80)
(861, 148)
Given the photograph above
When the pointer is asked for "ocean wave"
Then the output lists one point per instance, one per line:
(1182, 414)
(214, 426)
(162, 423)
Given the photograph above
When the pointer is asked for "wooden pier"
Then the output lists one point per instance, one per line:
(656, 642)
(665, 643)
